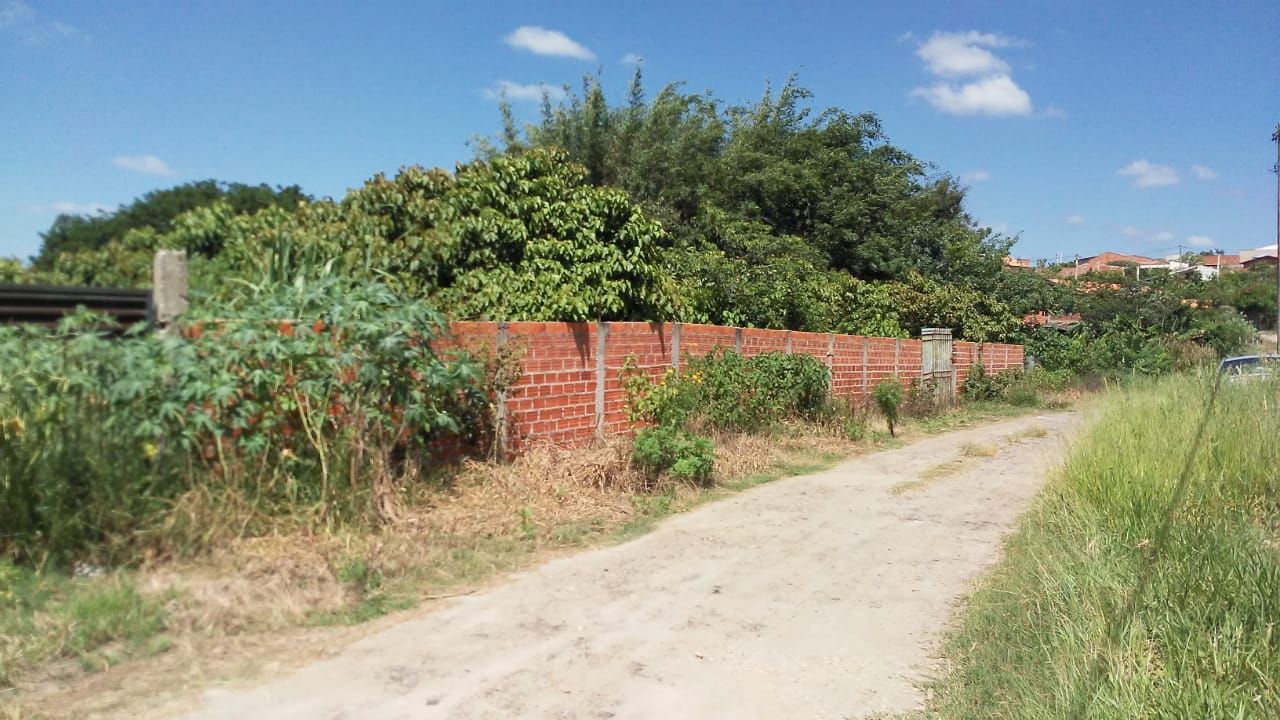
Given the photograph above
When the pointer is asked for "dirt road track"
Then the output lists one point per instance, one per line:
(820, 596)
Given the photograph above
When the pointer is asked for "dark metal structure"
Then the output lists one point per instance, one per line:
(46, 304)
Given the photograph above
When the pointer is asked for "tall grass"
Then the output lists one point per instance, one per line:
(1047, 634)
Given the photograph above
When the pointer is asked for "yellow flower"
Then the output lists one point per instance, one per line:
(14, 427)
(149, 450)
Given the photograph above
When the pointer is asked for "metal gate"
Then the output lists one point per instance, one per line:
(936, 373)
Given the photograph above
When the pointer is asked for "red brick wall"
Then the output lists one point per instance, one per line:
(995, 357)
(555, 398)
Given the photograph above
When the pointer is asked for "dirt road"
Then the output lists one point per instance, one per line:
(819, 596)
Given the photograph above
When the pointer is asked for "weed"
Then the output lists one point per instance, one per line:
(888, 398)
(528, 530)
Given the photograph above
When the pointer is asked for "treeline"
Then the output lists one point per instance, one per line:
(769, 214)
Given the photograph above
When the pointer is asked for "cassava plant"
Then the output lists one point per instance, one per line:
(315, 400)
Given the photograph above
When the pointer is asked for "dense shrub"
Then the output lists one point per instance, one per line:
(790, 384)
(667, 450)
(315, 398)
(725, 391)
(1145, 330)
(1015, 385)
(978, 385)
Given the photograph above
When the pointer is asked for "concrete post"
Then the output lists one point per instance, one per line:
(168, 286)
(897, 356)
(831, 362)
(866, 348)
(675, 346)
(737, 340)
(788, 342)
(602, 334)
(500, 430)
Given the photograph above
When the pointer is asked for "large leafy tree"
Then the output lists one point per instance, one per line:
(156, 211)
(514, 238)
(774, 209)
(521, 237)
(829, 177)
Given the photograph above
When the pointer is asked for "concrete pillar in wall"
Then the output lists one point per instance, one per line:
(168, 286)
(675, 346)
(500, 430)
(602, 335)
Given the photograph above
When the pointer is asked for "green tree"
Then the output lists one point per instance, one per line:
(522, 237)
(156, 211)
(774, 210)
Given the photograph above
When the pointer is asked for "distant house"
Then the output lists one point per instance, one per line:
(1055, 321)
(1013, 262)
(1106, 261)
(1222, 262)
(1259, 261)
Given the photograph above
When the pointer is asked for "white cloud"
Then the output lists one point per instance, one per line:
(631, 59)
(964, 54)
(1203, 173)
(995, 95)
(149, 164)
(975, 81)
(15, 13)
(1137, 233)
(1053, 112)
(541, 41)
(67, 207)
(974, 176)
(1200, 241)
(20, 20)
(1146, 174)
(517, 91)
(1074, 219)
(73, 208)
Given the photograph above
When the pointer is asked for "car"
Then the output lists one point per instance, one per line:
(1245, 367)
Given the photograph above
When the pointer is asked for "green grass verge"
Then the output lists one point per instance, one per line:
(98, 621)
(1045, 634)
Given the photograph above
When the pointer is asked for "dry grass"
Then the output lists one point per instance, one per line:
(1030, 433)
(978, 450)
(552, 485)
(931, 475)
(970, 453)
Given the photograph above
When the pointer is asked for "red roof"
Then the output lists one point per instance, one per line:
(1104, 261)
(1212, 260)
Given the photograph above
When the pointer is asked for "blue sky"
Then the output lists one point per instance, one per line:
(1081, 126)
